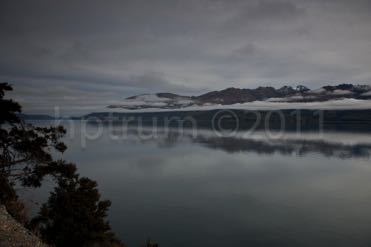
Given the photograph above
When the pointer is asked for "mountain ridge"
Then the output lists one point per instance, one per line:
(232, 95)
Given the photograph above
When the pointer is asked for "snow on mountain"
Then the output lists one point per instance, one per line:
(301, 89)
(341, 92)
(318, 91)
(342, 104)
(235, 97)
(367, 94)
(159, 100)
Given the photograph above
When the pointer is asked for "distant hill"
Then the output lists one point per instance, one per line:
(35, 117)
(232, 96)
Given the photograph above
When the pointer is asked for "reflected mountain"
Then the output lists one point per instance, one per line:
(339, 145)
(286, 147)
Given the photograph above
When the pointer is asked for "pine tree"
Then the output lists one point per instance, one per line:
(74, 215)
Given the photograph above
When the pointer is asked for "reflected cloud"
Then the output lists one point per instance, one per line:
(287, 147)
(337, 145)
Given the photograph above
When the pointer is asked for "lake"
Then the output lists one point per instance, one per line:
(201, 188)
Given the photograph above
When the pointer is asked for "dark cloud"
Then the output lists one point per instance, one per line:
(268, 11)
(86, 54)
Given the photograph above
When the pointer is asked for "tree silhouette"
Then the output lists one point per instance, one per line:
(74, 214)
(26, 149)
(25, 153)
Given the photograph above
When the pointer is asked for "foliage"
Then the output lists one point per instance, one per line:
(25, 149)
(150, 243)
(25, 154)
(10, 200)
(74, 215)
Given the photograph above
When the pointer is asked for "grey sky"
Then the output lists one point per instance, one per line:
(84, 55)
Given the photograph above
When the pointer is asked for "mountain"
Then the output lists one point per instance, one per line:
(230, 96)
(35, 117)
(158, 100)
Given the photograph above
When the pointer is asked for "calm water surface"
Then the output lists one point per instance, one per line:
(182, 189)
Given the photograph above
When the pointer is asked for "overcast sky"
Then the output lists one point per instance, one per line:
(84, 55)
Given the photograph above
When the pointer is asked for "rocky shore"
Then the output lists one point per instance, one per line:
(13, 234)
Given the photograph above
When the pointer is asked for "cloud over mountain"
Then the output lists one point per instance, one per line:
(112, 49)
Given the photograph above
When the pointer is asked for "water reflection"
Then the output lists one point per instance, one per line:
(185, 188)
(339, 145)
